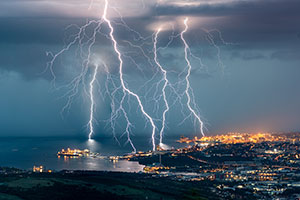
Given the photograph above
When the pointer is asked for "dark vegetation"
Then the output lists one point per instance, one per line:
(98, 185)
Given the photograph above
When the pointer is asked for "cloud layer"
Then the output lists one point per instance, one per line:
(259, 89)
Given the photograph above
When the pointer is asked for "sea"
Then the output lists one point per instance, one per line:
(24, 153)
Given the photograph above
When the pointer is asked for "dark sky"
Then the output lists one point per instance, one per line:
(257, 89)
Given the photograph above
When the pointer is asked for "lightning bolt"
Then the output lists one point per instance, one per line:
(187, 77)
(92, 105)
(166, 82)
(123, 85)
(157, 89)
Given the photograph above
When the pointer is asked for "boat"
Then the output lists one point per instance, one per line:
(184, 140)
(73, 152)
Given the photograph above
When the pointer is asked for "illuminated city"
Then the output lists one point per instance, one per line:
(149, 99)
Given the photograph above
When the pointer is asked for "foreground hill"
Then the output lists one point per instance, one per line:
(97, 185)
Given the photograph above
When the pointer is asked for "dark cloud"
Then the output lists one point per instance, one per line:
(235, 8)
(266, 23)
(28, 60)
(260, 30)
(286, 55)
(247, 55)
(21, 30)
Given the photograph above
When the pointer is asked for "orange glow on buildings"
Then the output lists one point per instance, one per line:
(73, 152)
(235, 138)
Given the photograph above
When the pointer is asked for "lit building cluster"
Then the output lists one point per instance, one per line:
(41, 169)
(73, 152)
(264, 164)
(155, 167)
(235, 138)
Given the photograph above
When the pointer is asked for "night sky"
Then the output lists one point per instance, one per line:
(257, 89)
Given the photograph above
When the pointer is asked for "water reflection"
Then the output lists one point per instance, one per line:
(24, 153)
(88, 163)
(92, 145)
(97, 163)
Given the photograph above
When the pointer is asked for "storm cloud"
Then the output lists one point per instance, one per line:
(257, 91)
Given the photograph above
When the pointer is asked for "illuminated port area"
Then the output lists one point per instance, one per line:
(73, 152)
